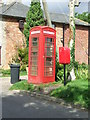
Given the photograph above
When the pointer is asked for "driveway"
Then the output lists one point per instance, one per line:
(21, 105)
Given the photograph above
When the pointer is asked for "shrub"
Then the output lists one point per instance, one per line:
(5, 72)
(81, 70)
(22, 58)
(59, 73)
(23, 67)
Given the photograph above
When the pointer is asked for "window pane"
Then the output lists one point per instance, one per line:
(49, 51)
(34, 42)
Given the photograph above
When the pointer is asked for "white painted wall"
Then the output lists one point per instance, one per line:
(2, 43)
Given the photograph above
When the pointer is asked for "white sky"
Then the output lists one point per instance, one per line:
(28, 1)
(58, 0)
(61, 5)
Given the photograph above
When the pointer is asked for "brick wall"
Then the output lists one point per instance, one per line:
(81, 41)
(81, 53)
(14, 39)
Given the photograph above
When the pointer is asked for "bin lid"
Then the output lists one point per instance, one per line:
(15, 65)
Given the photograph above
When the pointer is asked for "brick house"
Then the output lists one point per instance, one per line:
(60, 22)
(11, 36)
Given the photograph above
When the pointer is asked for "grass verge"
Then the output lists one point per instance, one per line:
(75, 92)
(23, 85)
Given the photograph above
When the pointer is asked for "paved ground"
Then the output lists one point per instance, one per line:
(22, 105)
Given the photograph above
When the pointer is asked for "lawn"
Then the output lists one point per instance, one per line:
(23, 85)
(74, 92)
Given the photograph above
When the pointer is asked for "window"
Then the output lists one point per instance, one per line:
(34, 57)
(49, 57)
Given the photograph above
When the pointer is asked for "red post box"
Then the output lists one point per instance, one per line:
(42, 49)
(64, 55)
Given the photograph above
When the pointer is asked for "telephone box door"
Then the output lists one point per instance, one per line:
(34, 56)
(48, 56)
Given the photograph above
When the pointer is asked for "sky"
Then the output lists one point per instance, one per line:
(61, 6)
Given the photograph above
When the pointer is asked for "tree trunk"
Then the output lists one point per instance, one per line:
(72, 35)
(46, 13)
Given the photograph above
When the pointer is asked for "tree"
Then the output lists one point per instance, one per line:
(72, 36)
(34, 18)
(85, 16)
(47, 13)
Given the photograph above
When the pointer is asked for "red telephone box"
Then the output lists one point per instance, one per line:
(42, 50)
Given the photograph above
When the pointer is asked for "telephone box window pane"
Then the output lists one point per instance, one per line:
(34, 49)
(48, 63)
(34, 73)
(34, 42)
(49, 42)
(34, 54)
(49, 57)
(48, 69)
(49, 51)
(34, 57)
(34, 62)
(34, 68)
